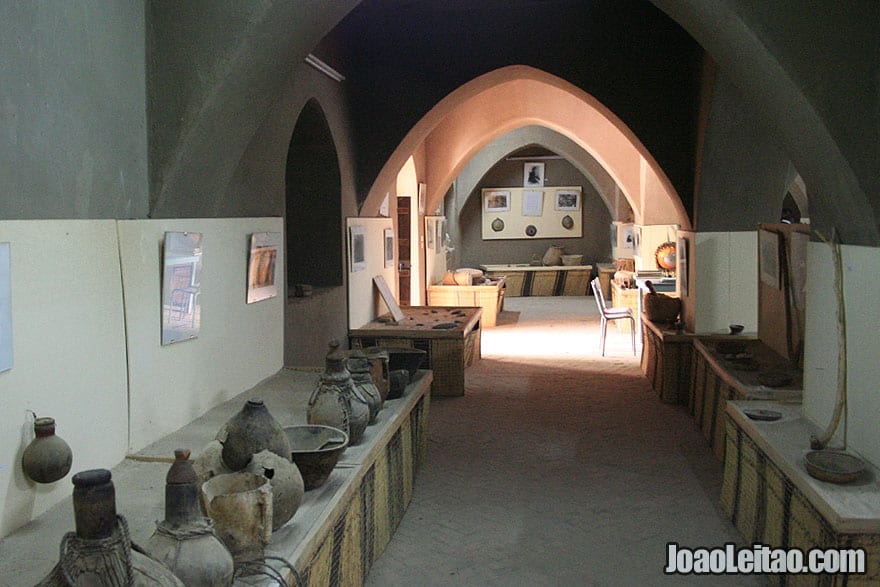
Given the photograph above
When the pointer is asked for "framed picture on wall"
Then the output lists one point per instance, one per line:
(441, 235)
(568, 200)
(533, 203)
(627, 237)
(262, 264)
(533, 175)
(388, 240)
(496, 201)
(357, 249)
(5, 308)
(181, 286)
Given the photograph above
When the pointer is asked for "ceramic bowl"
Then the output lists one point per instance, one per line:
(833, 466)
(572, 259)
(736, 328)
(315, 449)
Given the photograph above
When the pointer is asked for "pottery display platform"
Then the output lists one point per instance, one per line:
(666, 360)
(334, 537)
(449, 350)
(715, 380)
(535, 280)
(772, 500)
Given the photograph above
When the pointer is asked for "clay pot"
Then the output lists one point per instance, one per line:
(379, 370)
(185, 541)
(359, 366)
(241, 506)
(553, 256)
(100, 552)
(286, 481)
(250, 431)
(47, 458)
(335, 401)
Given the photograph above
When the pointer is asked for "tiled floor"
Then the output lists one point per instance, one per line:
(558, 467)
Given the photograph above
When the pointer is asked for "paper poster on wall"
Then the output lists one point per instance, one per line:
(681, 272)
(768, 257)
(430, 232)
(181, 286)
(5, 308)
(262, 266)
(388, 242)
(533, 203)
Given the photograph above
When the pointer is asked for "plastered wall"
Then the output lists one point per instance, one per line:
(364, 301)
(69, 353)
(86, 342)
(239, 344)
(861, 281)
(725, 281)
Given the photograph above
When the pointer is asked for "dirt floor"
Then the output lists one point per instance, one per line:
(558, 467)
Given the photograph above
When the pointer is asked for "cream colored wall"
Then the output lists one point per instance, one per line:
(861, 284)
(725, 280)
(435, 259)
(69, 353)
(238, 345)
(364, 301)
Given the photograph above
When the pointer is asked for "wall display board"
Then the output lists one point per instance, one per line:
(262, 266)
(5, 310)
(181, 291)
(523, 213)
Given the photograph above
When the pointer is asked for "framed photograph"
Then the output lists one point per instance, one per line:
(681, 271)
(388, 241)
(533, 175)
(430, 232)
(533, 203)
(568, 200)
(768, 252)
(357, 248)
(423, 191)
(262, 266)
(496, 201)
(627, 237)
(181, 286)
(5, 308)
(441, 235)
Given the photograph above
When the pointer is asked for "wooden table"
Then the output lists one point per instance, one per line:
(449, 350)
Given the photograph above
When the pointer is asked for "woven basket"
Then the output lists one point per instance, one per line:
(660, 308)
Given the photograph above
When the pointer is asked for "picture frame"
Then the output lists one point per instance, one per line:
(768, 258)
(181, 286)
(627, 237)
(533, 174)
(430, 233)
(423, 194)
(496, 201)
(568, 200)
(440, 240)
(357, 249)
(263, 266)
(388, 244)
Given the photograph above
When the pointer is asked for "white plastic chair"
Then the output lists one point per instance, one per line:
(606, 314)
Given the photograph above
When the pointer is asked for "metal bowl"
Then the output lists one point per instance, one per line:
(833, 466)
(315, 449)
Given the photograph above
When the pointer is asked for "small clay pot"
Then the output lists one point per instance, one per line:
(47, 458)
(250, 431)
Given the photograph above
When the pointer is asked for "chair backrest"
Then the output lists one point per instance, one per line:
(597, 293)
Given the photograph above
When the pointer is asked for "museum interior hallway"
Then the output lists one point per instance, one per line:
(558, 467)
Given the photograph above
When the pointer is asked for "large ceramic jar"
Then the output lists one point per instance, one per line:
(100, 552)
(330, 403)
(361, 374)
(250, 431)
(287, 484)
(185, 541)
(553, 256)
(48, 457)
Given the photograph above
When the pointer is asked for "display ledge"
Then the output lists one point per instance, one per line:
(527, 267)
(746, 382)
(30, 553)
(852, 508)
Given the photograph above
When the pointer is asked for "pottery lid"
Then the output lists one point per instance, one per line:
(181, 471)
(92, 478)
(44, 426)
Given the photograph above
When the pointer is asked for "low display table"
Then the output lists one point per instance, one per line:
(449, 336)
(489, 296)
(535, 280)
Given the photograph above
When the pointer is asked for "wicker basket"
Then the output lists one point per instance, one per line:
(660, 308)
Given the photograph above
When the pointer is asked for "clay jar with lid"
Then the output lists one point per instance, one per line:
(185, 541)
(336, 402)
(361, 374)
(48, 457)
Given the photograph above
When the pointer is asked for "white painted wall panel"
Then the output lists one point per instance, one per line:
(726, 280)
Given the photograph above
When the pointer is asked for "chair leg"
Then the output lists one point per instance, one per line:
(604, 332)
(632, 331)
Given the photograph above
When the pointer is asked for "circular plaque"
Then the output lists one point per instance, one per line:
(531, 230)
(497, 225)
(567, 222)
